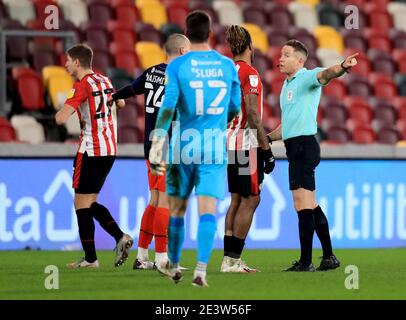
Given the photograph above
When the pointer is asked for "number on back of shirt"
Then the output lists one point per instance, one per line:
(155, 96)
(213, 106)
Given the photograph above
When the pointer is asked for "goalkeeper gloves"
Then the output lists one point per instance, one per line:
(269, 160)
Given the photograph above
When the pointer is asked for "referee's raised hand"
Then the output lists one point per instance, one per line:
(350, 61)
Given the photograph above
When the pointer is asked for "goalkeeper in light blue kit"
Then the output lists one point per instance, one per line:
(203, 93)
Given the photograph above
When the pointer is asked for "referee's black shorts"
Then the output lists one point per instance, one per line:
(303, 154)
(89, 173)
(245, 172)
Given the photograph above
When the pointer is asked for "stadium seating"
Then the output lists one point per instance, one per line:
(127, 37)
(75, 11)
(228, 12)
(153, 13)
(126, 12)
(7, 133)
(328, 38)
(149, 53)
(28, 129)
(304, 16)
(259, 38)
(59, 89)
(22, 10)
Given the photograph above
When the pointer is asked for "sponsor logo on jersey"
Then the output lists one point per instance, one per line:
(70, 94)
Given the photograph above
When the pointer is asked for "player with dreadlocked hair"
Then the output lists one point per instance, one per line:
(249, 153)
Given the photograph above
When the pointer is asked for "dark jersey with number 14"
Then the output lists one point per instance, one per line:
(152, 84)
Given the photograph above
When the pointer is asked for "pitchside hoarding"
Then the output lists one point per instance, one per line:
(365, 201)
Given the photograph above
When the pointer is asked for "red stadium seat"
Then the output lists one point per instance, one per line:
(101, 60)
(358, 86)
(336, 112)
(389, 135)
(126, 12)
(359, 110)
(399, 55)
(383, 86)
(147, 32)
(338, 134)
(363, 67)
(121, 33)
(276, 37)
(380, 20)
(99, 11)
(253, 13)
(363, 135)
(378, 39)
(400, 104)
(30, 91)
(7, 133)
(177, 14)
(126, 60)
(335, 88)
(279, 16)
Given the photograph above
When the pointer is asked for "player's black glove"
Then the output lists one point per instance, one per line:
(269, 160)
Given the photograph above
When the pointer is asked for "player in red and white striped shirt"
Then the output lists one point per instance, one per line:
(249, 153)
(96, 154)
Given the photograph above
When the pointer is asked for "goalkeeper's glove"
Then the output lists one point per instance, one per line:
(269, 160)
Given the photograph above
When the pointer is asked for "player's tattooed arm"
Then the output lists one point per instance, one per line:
(254, 120)
(276, 134)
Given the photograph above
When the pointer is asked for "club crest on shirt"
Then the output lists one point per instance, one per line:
(70, 94)
(166, 79)
(290, 95)
(254, 80)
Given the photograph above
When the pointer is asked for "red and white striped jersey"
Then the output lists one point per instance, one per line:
(98, 121)
(239, 135)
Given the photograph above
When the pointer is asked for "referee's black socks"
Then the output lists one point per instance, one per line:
(227, 245)
(107, 222)
(86, 233)
(306, 231)
(322, 230)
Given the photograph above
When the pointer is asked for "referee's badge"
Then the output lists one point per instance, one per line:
(290, 95)
(254, 80)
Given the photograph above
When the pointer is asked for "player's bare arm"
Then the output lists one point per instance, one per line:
(254, 121)
(120, 103)
(63, 115)
(338, 70)
(276, 134)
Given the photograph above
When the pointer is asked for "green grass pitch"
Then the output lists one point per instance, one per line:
(381, 276)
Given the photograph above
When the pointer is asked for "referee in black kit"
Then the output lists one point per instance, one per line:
(299, 101)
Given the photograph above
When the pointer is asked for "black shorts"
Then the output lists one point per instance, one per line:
(245, 172)
(303, 154)
(89, 173)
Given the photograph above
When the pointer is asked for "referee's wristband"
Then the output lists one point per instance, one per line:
(345, 68)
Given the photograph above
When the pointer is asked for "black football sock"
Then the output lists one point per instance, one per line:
(86, 233)
(306, 231)
(322, 231)
(227, 245)
(237, 245)
(107, 222)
